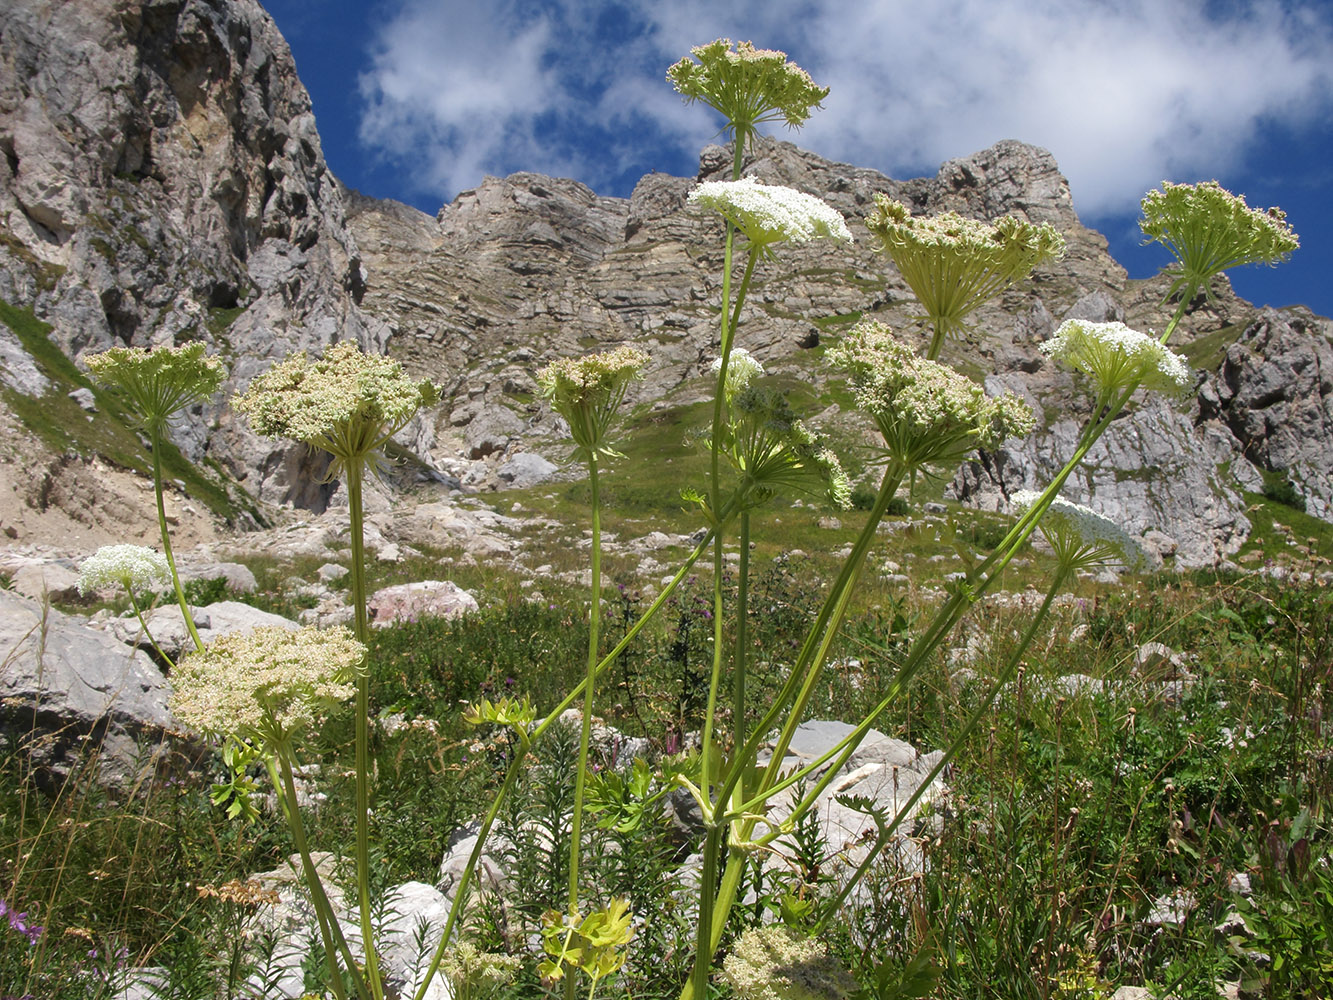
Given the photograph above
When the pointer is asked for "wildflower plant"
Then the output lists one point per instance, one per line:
(928, 415)
(137, 568)
(926, 412)
(348, 404)
(156, 385)
(268, 689)
(1210, 230)
(1117, 357)
(953, 264)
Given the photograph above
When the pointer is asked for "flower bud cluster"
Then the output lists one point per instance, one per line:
(953, 264)
(774, 450)
(160, 382)
(587, 392)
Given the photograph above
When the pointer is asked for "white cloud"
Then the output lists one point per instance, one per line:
(1124, 94)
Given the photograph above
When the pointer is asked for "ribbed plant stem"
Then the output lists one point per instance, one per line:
(585, 736)
(155, 443)
(353, 470)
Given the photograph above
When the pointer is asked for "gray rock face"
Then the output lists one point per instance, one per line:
(169, 631)
(66, 688)
(163, 180)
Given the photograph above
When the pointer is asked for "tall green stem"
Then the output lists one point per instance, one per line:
(465, 880)
(353, 470)
(171, 664)
(156, 444)
(585, 737)
(329, 928)
(742, 637)
(1005, 676)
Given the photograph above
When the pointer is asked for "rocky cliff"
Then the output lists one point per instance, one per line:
(528, 268)
(162, 180)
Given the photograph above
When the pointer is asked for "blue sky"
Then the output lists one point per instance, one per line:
(419, 99)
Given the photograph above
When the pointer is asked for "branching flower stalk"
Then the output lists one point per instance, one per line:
(268, 688)
(156, 385)
(588, 392)
(1082, 540)
(348, 404)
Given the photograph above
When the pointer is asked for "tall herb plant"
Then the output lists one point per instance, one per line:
(270, 690)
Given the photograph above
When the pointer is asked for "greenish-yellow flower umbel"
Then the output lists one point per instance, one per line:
(1208, 230)
(587, 392)
(160, 382)
(953, 264)
(748, 86)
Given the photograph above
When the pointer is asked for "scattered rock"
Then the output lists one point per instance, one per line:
(428, 598)
(67, 690)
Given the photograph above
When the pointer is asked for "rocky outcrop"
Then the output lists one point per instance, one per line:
(162, 181)
(70, 694)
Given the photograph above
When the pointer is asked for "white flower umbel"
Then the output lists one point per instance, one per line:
(770, 213)
(1118, 357)
(777, 963)
(137, 568)
(742, 369)
(1080, 537)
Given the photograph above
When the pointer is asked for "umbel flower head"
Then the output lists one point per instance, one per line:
(160, 382)
(1117, 357)
(137, 568)
(1080, 537)
(777, 963)
(748, 86)
(266, 685)
(742, 369)
(953, 264)
(770, 213)
(587, 392)
(347, 403)
(772, 449)
(1208, 230)
(926, 411)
